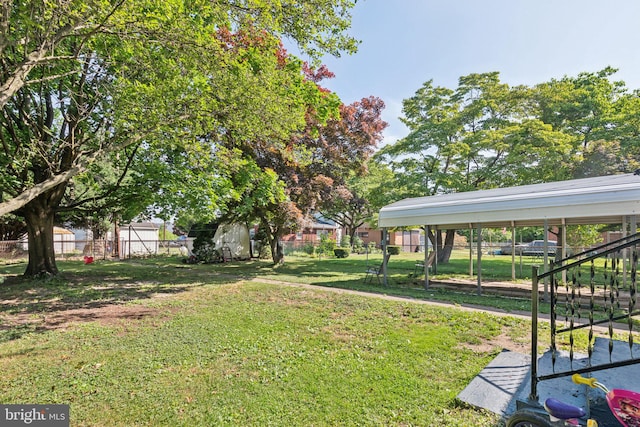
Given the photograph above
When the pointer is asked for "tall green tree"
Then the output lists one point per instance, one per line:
(581, 106)
(599, 114)
(481, 135)
(485, 134)
(84, 80)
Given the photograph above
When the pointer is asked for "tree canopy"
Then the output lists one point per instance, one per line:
(283, 187)
(487, 134)
(140, 95)
(147, 62)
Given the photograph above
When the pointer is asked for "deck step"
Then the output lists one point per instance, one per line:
(507, 378)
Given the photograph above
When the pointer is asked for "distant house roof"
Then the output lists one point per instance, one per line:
(319, 222)
(321, 226)
(320, 219)
(600, 200)
(60, 230)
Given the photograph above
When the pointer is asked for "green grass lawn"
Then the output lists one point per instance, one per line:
(159, 343)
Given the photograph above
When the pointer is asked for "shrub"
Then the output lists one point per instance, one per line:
(345, 242)
(358, 244)
(393, 250)
(372, 247)
(341, 252)
(203, 246)
(327, 245)
(309, 249)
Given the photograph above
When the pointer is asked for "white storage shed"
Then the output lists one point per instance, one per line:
(139, 239)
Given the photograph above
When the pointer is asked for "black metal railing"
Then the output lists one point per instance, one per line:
(593, 289)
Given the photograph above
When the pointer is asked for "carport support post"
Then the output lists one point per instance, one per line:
(563, 249)
(426, 257)
(470, 250)
(534, 335)
(436, 234)
(545, 258)
(513, 251)
(479, 238)
(385, 237)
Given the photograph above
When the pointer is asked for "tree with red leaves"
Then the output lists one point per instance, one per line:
(300, 178)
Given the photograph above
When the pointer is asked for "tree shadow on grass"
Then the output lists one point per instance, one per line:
(103, 291)
(100, 292)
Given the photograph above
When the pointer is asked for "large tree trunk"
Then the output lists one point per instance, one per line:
(273, 238)
(351, 231)
(277, 252)
(447, 248)
(444, 248)
(352, 237)
(39, 218)
(39, 215)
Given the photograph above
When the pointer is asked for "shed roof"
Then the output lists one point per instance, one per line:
(141, 226)
(60, 230)
(600, 200)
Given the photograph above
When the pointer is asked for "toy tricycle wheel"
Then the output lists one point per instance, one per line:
(528, 418)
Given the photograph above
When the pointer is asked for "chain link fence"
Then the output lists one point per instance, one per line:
(98, 249)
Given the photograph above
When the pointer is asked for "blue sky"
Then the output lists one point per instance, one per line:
(404, 43)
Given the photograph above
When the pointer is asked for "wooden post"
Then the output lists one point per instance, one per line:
(470, 250)
(534, 335)
(426, 257)
(385, 237)
(479, 238)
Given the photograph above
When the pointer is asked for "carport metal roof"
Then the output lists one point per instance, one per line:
(600, 200)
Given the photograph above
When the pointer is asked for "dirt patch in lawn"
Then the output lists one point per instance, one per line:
(61, 320)
(499, 343)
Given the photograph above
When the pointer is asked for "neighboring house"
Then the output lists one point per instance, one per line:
(368, 235)
(312, 230)
(139, 238)
(408, 240)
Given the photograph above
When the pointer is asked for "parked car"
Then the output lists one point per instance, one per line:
(506, 249)
(536, 248)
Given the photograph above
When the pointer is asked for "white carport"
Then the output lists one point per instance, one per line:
(611, 199)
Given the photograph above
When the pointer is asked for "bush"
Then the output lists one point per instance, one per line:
(358, 244)
(393, 250)
(309, 249)
(372, 247)
(203, 246)
(346, 241)
(341, 252)
(327, 245)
